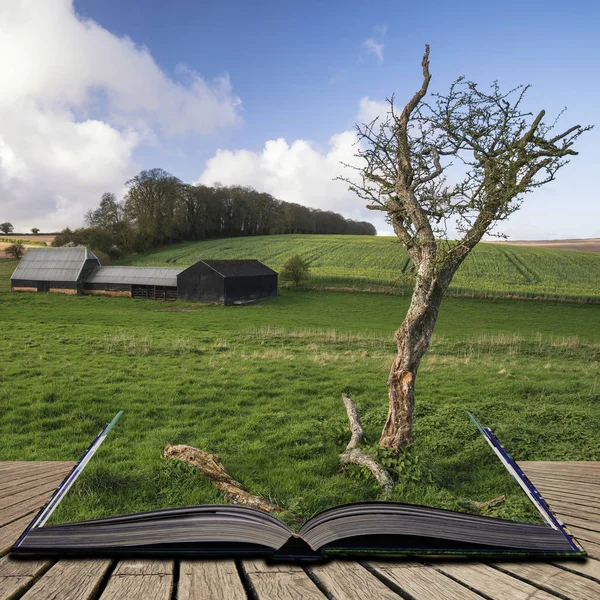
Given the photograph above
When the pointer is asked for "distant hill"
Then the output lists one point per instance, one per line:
(344, 261)
(583, 245)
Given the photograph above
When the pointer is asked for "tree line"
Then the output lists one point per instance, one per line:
(159, 209)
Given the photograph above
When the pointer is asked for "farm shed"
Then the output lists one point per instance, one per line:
(154, 283)
(78, 271)
(226, 281)
(60, 270)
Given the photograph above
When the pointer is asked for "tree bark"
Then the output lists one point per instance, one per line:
(413, 338)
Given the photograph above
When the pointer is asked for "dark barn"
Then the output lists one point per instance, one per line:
(61, 270)
(226, 281)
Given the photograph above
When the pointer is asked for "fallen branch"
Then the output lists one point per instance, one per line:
(354, 455)
(210, 467)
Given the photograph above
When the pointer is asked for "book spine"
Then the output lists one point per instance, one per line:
(528, 487)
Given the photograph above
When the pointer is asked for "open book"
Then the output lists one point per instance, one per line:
(370, 528)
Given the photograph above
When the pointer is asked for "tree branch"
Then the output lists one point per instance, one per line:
(353, 455)
(209, 466)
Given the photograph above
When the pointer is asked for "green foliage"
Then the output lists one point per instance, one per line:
(6, 228)
(35, 230)
(261, 386)
(405, 466)
(376, 262)
(103, 257)
(8, 240)
(295, 269)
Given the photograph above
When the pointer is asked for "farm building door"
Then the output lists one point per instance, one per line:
(43, 286)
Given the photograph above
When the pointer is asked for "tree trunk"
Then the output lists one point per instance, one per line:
(413, 339)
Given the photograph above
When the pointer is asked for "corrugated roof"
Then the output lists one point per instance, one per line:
(52, 264)
(135, 275)
(239, 268)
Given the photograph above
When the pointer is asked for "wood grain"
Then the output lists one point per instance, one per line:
(280, 582)
(554, 578)
(137, 579)
(347, 580)
(492, 583)
(423, 583)
(69, 580)
(209, 580)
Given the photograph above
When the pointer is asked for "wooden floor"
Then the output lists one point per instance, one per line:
(572, 489)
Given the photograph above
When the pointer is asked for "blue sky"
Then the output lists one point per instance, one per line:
(296, 71)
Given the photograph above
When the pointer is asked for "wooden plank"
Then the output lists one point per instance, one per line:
(556, 488)
(550, 495)
(570, 479)
(577, 491)
(593, 550)
(589, 567)
(69, 580)
(26, 494)
(10, 567)
(347, 580)
(551, 499)
(209, 580)
(424, 583)
(17, 481)
(136, 579)
(576, 467)
(8, 515)
(492, 583)
(584, 523)
(8, 471)
(29, 482)
(562, 508)
(280, 582)
(584, 534)
(554, 578)
(17, 575)
(9, 534)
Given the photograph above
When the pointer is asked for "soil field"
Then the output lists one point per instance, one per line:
(29, 241)
(586, 245)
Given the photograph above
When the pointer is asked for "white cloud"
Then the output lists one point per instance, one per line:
(76, 102)
(374, 47)
(297, 173)
(371, 109)
(374, 44)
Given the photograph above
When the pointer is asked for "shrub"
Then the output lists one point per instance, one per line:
(15, 250)
(295, 269)
(102, 257)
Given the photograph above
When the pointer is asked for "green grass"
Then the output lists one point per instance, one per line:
(261, 386)
(363, 261)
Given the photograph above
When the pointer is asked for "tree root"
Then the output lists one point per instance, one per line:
(210, 467)
(354, 455)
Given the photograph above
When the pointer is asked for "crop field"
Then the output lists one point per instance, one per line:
(261, 386)
(376, 262)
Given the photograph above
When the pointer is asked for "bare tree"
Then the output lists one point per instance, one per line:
(500, 153)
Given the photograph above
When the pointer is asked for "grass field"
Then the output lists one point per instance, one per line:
(357, 261)
(261, 386)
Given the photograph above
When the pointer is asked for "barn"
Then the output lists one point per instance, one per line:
(154, 283)
(78, 271)
(61, 270)
(226, 281)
